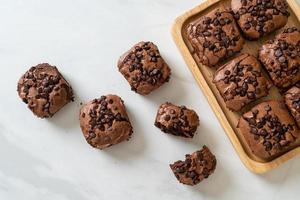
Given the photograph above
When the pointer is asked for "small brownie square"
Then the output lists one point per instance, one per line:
(269, 129)
(292, 100)
(196, 167)
(258, 18)
(144, 68)
(281, 58)
(177, 120)
(104, 122)
(214, 37)
(44, 90)
(240, 81)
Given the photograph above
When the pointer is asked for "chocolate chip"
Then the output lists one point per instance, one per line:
(278, 53)
(206, 33)
(263, 132)
(253, 130)
(268, 145)
(282, 59)
(167, 117)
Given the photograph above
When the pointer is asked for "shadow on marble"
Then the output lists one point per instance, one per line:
(21, 169)
(68, 117)
(215, 185)
(277, 176)
(203, 137)
(128, 151)
(174, 91)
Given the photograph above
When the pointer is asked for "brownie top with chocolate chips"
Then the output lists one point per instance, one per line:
(45, 90)
(240, 81)
(104, 121)
(144, 68)
(260, 17)
(214, 37)
(281, 57)
(177, 120)
(196, 167)
(269, 129)
(292, 100)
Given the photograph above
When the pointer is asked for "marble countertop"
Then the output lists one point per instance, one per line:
(50, 159)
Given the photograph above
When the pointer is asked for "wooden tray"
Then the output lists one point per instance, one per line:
(204, 76)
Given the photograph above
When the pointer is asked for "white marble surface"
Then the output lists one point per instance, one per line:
(49, 159)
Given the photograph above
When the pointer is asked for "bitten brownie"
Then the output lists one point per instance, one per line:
(45, 90)
(177, 120)
(240, 81)
(292, 100)
(269, 129)
(144, 68)
(104, 122)
(214, 37)
(281, 57)
(196, 167)
(258, 18)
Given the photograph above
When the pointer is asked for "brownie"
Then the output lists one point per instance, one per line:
(292, 100)
(214, 37)
(44, 90)
(240, 81)
(177, 120)
(258, 18)
(144, 68)
(104, 122)
(269, 129)
(196, 167)
(281, 57)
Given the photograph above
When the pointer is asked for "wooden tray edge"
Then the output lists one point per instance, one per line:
(176, 31)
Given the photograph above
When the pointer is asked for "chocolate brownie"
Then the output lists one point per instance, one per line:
(258, 18)
(104, 121)
(269, 129)
(281, 58)
(45, 90)
(196, 167)
(177, 120)
(292, 100)
(214, 37)
(144, 68)
(240, 81)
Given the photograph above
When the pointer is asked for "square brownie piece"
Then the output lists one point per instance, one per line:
(144, 68)
(240, 81)
(269, 129)
(292, 100)
(177, 120)
(281, 57)
(195, 168)
(214, 37)
(258, 18)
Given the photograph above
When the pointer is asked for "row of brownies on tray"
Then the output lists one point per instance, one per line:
(268, 128)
